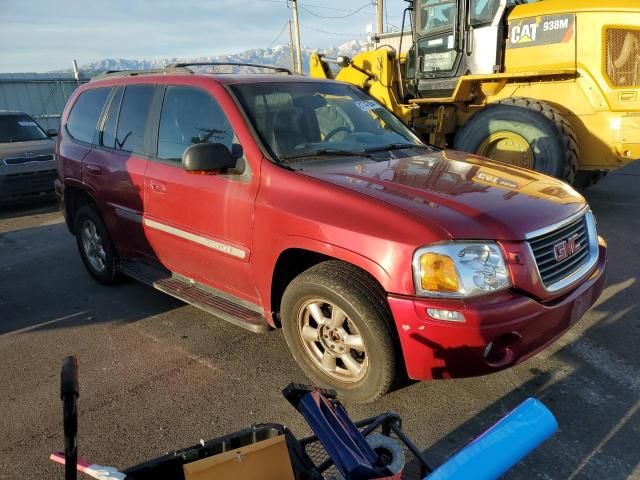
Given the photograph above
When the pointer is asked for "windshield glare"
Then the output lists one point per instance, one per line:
(19, 128)
(302, 119)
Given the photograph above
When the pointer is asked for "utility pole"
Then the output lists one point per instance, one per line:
(293, 60)
(379, 15)
(296, 25)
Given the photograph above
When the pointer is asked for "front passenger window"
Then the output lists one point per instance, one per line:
(190, 116)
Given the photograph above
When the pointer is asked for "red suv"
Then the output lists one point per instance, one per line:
(283, 201)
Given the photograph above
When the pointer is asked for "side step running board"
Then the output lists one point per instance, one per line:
(240, 313)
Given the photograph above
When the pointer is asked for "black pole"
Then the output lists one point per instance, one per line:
(69, 392)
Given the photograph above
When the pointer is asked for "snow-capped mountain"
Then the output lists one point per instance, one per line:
(278, 55)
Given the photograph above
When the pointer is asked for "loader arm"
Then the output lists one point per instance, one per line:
(377, 73)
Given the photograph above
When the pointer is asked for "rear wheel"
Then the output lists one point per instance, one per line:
(523, 132)
(95, 246)
(338, 327)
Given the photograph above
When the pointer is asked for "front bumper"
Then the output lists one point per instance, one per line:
(22, 184)
(499, 331)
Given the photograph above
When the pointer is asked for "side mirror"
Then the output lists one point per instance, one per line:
(208, 157)
(52, 132)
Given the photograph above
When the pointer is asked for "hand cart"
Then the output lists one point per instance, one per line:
(375, 448)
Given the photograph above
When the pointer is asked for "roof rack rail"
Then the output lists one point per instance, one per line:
(134, 73)
(227, 64)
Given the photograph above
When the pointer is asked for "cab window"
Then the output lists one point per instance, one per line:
(191, 116)
(483, 11)
(436, 15)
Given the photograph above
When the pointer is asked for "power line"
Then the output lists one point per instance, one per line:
(314, 5)
(337, 16)
(334, 33)
(278, 36)
(386, 12)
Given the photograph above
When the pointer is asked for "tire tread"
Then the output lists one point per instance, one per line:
(567, 134)
(366, 294)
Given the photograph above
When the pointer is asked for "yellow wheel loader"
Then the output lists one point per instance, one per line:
(552, 85)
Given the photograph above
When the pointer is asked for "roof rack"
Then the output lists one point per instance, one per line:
(227, 64)
(183, 68)
(134, 73)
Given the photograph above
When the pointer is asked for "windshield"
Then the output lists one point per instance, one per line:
(19, 128)
(297, 120)
(436, 14)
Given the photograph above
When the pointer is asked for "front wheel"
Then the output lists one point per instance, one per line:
(523, 132)
(339, 329)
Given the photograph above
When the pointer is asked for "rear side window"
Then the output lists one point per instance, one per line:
(133, 118)
(109, 129)
(190, 116)
(84, 115)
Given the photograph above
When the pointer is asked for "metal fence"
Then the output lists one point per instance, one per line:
(43, 96)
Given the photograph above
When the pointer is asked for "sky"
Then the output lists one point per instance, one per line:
(44, 35)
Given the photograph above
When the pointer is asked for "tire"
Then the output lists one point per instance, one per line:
(91, 235)
(550, 137)
(336, 287)
(587, 178)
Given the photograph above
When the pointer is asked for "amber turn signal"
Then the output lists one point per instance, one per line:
(438, 273)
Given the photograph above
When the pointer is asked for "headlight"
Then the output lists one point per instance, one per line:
(455, 270)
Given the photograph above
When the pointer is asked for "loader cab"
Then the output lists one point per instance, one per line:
(454, 38)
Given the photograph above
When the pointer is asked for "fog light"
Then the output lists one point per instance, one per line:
(446, 315)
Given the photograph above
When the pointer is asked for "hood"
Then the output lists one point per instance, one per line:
(470, 197)
(31, 148)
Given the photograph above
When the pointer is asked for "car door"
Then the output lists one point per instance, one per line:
(117, 166)
(200, 225)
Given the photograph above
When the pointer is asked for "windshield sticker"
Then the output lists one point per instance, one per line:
(27, 123)
(366, 105)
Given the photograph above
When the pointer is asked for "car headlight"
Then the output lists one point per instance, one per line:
(459, 269)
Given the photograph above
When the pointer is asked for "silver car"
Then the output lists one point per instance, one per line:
(27, 162)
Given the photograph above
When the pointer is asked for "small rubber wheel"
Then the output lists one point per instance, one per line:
(95, 246)
(338, 327)
(523, 132)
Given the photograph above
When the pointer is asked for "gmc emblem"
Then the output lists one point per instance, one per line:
(566, 248)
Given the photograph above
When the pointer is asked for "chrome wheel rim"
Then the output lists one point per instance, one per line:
(332, 341)
(93, 246)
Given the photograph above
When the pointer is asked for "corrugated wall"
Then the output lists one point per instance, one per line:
(43, 96)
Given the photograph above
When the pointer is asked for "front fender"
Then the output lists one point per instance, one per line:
(288, 242)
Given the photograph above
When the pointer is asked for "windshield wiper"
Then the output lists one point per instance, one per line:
(396, 146)
(329, 152)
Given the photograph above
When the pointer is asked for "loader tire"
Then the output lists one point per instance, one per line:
(587, 178)
(523, 132)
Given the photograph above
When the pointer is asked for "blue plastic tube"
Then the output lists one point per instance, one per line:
(502, 446)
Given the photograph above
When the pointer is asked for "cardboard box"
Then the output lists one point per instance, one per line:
(264, 460)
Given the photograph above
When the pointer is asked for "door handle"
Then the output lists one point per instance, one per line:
(93, 169)
(158, 187)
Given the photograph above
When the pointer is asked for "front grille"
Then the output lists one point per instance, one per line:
(27, 184)
(543, 247)
(21, 160)
(623, 57)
